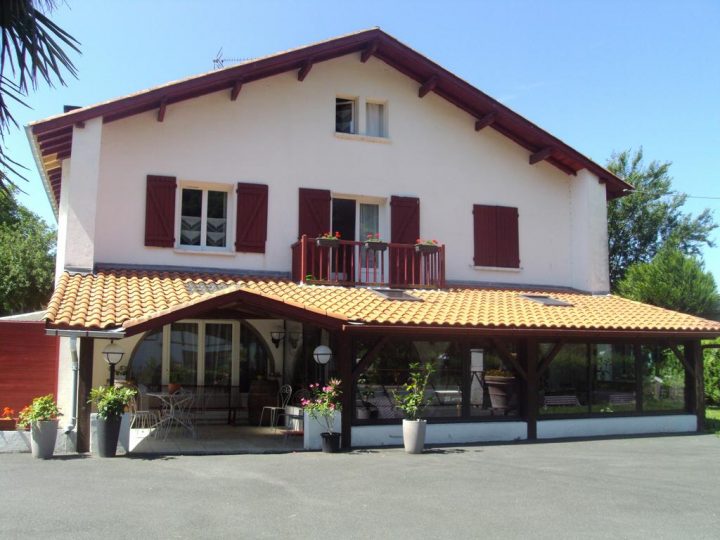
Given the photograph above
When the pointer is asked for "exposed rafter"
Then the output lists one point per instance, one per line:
(484, 121)
(235, 90)
(428, 86)
(541, 155)
(161, 110)
(307, 66)
(371, 49)
(80, 124)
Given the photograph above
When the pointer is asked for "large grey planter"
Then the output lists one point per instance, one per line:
(414, 435)
(42, 438)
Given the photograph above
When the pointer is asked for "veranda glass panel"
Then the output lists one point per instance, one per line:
(218, 354)
(663, 379)
(494, 386)
(216, 219)
(444, 391)
(145, 366)
(613, 378)
(253, 358)
(183, 353)
(564, 385)
(191, 217)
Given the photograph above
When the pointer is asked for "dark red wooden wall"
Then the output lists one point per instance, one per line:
(28, 363)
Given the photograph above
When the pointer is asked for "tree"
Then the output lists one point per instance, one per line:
(641, 223)
(672, 280)
(30, 52)
(27, 257)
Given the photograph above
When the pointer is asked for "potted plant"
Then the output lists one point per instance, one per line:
(374, 243)
(42, 417)
(110, 402)
(365, 410)
(321, 406)
(178, 374)
(328, 239)
(426, 246)
(7, 422)
(411, 400)
(501, 386)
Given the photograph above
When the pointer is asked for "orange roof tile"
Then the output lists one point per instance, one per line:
(115, 298)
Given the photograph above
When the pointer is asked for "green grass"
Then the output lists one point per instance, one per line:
(712, 419)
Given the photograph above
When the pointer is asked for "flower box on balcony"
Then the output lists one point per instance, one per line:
(427, 248)
(375, 245)
(327, 242)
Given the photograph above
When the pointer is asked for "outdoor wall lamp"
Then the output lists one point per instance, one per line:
(278, 335)
(322, 354)
(113, 354)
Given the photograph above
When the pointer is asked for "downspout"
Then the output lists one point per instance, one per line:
(75, 372)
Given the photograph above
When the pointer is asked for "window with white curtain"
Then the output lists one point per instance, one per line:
(375, 120)
(203, 218)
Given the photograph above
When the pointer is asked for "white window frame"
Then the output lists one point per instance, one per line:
(385, 134)
(200, 373)
(205, 187)
(354, 124)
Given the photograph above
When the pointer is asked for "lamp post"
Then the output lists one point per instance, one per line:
(113, 353)
(322, 355)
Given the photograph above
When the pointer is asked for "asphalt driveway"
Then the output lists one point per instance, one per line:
(662, 487)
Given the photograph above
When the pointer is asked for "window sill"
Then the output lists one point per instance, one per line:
(184, 251)
(496, 268)
(358, 137)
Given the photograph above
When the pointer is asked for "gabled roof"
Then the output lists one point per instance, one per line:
(52, 138)
(136, 300)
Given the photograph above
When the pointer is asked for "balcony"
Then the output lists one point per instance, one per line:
(346, 262)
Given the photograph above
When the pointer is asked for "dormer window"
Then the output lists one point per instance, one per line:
(345, 115)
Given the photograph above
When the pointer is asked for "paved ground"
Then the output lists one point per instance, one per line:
(664, 487)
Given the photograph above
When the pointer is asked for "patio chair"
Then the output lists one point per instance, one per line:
(276, 411)
(142, 416)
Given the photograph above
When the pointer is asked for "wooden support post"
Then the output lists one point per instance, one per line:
(694, 357)
(369, 51)
(428, 86)
(85, 376)
(541, 155)
(345, 367)
(529, 350)
(304, 70)
(235, 90)
(484, 121)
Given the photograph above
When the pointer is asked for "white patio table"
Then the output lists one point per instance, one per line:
(175, 411)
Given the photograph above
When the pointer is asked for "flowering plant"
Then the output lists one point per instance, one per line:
(7, 413)
(411, 400)
(373, 237)
(41, 409)
(421, 242)
(330, 236)
(323, 403)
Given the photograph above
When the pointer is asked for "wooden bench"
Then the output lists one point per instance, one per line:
(624, 398)
(569, 400)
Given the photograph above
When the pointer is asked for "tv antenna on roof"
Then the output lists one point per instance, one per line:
(219, 61)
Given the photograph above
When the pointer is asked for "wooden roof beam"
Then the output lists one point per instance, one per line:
(161, 110)
(428, 86)
(484, 121)
(235, 90)
(369, 51)
(305, 69)
(541, 155)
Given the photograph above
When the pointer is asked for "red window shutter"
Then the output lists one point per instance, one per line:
(508, 252)
(496, 236)
(404, 219)
(251, 218)
(314, 216)
(160, 211)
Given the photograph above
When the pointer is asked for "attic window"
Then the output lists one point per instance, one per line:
(545, 300)
(396, 294)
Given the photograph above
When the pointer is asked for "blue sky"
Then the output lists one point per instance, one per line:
(602, 76)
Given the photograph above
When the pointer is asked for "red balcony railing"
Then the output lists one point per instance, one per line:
(346, 262)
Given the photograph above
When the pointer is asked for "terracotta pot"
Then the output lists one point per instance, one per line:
(174, 387)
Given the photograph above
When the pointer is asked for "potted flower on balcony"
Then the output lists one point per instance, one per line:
(110, 402)
(373, 242)
(328, 239)
(501, 387)
(42, 417)
(321, 406)
(426, 246)
(411, 400)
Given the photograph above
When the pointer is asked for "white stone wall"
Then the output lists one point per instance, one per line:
(455, 433)
(599, 427)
